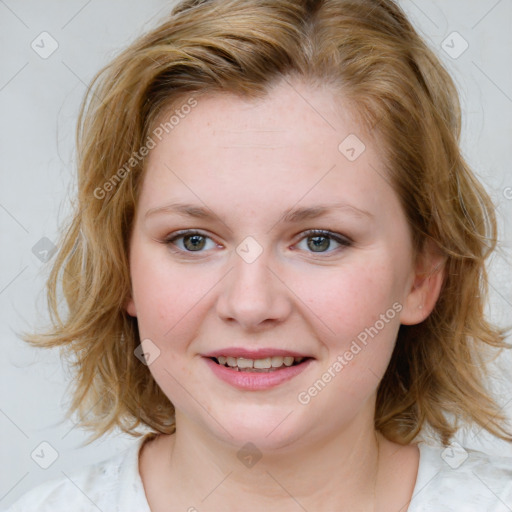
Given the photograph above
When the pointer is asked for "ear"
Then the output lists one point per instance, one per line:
(129, 306)
(426, 286)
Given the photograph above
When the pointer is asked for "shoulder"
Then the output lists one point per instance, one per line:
(112, 484)
(456, 479)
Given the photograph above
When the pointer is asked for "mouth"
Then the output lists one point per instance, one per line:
(256, 370)
(263, 365)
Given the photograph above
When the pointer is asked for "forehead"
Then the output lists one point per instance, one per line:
(295, 142)
(295, 110)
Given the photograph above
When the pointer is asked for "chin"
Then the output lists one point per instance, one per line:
(268, 430)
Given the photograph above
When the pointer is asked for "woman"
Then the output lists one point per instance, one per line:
(308, 153)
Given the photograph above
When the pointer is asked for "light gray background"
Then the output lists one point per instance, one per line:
(39, 101)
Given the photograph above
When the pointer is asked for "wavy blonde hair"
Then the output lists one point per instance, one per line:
(370, 52)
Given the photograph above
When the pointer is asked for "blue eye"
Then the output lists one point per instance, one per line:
(195, 241)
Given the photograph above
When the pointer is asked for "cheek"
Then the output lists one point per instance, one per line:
(168, 301)
(357, 313)
(349, 299)
(170, 298)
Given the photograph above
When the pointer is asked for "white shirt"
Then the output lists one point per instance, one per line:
(448, 480)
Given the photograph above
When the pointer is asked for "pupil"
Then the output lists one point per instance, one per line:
(194, 245)
(317, 244)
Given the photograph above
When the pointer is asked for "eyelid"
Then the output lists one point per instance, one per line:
(342, 239)
(182, 232)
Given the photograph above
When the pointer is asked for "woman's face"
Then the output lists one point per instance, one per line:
(247, 285)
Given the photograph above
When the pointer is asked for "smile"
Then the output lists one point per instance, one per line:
(257, 374)
(264, 365)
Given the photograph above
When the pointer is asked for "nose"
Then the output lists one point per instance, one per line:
(254, 295)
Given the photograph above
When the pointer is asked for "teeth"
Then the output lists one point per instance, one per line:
(244, 363)
(277, 361)
(267, 363)
(263, 363)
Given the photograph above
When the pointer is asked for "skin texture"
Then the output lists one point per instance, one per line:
(248, 162)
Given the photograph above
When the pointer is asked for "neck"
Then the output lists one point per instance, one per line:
(339, 472)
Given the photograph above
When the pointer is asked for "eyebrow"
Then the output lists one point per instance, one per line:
(292, 215)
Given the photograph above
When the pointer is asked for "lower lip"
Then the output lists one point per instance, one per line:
(254, 381)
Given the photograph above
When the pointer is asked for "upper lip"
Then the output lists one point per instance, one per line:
(261, 353)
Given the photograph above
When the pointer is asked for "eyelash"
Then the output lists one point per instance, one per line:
(310, 233)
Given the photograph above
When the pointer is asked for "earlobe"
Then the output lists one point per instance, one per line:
(129, 306)
(425, 289)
